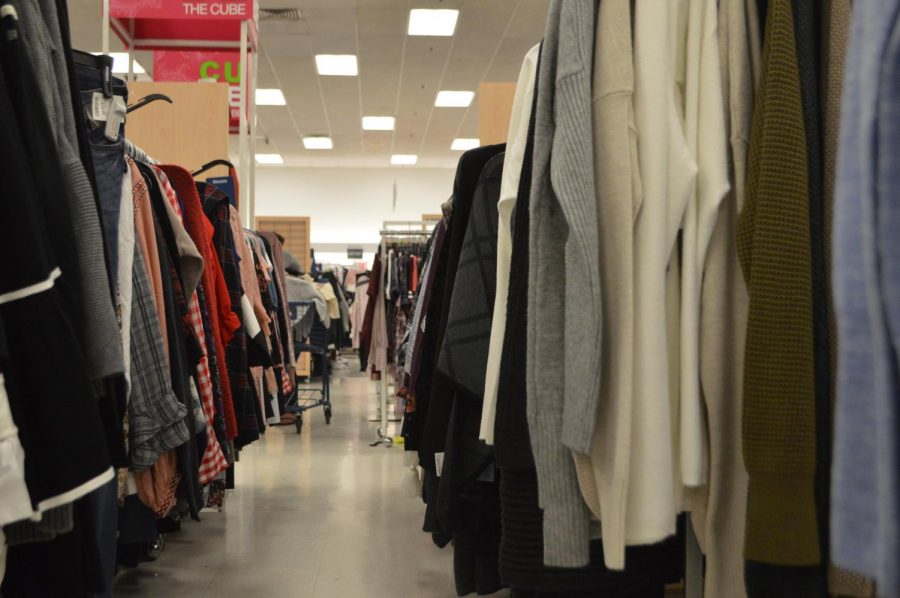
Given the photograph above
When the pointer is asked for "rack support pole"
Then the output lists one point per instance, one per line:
(384, 438)
(243, 137)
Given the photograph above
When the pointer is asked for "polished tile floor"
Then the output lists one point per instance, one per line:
(320, 515)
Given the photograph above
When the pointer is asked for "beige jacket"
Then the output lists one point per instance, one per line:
(603, 476)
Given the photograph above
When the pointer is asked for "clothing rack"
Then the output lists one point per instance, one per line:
(414, 229)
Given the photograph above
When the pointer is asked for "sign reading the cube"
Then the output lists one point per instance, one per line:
(202, 65)
(181, 9)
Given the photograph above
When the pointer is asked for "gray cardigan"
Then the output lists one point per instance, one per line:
(563, 302)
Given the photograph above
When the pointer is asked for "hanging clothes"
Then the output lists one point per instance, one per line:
(216, 207)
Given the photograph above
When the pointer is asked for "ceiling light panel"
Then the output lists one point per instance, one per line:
(441, 22)
(404, 159)
(269, 159)
(270, 97)
(454, 99)
(464, 144)
(378, 123)
(341, 65)
(318, 143)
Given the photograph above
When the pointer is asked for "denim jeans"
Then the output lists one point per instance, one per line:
(108, 158)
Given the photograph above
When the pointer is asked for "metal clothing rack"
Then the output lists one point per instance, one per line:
(411, 229)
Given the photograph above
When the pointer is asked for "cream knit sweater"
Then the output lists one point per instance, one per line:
(719, 509)
(667, 175)
(707, 139)
(509, 189)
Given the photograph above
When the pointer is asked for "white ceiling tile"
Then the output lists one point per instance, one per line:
(398, 75)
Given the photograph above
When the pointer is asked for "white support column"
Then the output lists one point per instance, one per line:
(131, 76)
(384, 374)
(244, 162)
(105, 33)
(251, 208)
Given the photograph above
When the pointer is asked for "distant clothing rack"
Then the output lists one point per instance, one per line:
(416, 231)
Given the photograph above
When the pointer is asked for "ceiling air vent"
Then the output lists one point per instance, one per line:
(279, 14)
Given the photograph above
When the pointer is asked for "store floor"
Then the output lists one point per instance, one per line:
(319, 515)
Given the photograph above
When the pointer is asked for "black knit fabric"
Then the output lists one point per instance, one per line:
(808, 23)
(439, 396)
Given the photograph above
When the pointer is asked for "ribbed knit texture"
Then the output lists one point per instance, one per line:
(773, 236)
(563, 290)
(603, 475)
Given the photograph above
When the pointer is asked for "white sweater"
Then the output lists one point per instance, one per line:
(667, 175)
(509, 190)
(707, 139)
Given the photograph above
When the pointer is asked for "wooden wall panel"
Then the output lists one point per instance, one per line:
(495, 102)
(295, 230)
(190, 132)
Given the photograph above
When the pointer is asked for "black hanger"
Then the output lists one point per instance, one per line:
(100, 62)
(148, 99)
(212, 164)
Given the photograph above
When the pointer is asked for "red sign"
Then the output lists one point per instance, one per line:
(181, 9)
(202, 65)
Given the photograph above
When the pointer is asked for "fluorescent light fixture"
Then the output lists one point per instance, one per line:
(464, 144)
(318, 143)
(424, 21)
(454, 99)
(270, 97)
(378, 123)
(269, 159)
(404, 159)
(343, 65)
(120, 63)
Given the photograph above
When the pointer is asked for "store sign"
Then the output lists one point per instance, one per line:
(201, 65)
(354, 253)
(181, 9)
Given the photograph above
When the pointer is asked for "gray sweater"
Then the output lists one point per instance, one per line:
(563, 280)
(43, 43)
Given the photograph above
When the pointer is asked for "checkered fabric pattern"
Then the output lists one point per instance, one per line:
(216, 207)
(213, 461)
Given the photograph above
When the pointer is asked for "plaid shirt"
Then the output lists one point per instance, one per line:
(213, 461)
(156, 417)
(216, 206)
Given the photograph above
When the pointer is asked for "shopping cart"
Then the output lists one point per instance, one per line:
(309, 396)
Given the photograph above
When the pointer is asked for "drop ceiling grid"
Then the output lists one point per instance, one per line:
(490, 40)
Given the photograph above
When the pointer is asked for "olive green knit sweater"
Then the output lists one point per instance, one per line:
(779, 435)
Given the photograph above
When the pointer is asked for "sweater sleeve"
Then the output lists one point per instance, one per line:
(566, 519)
(571, 170)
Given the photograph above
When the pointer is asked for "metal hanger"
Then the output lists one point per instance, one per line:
(148, 99)
(212, 164)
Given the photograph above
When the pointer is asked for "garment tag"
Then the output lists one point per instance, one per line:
(115, 117)
(99, 106)
(439, 463)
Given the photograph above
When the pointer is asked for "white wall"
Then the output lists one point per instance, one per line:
(346, 206)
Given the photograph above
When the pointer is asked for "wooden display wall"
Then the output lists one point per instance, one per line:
(295, 230)
(189, 132)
